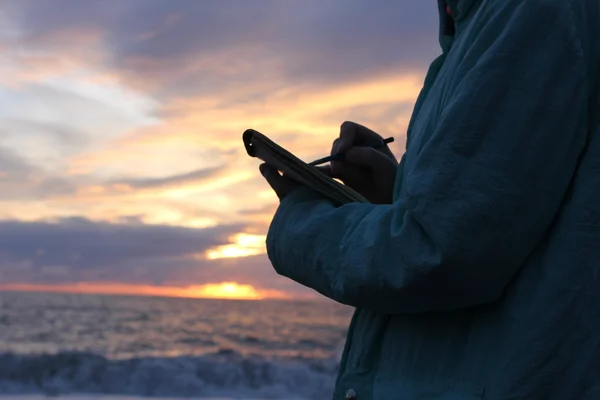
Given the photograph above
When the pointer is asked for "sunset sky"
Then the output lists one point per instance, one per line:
(121, 163)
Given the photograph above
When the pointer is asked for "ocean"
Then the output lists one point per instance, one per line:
(89, 345)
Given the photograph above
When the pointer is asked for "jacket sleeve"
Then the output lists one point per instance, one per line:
(480, 194)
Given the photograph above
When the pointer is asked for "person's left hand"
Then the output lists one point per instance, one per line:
(281, 185)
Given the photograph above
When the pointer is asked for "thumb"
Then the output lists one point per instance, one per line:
(368, 157)
(280, 185)
(327, 170)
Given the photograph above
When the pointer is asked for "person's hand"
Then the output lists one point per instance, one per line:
(371, 172)
(281, 185)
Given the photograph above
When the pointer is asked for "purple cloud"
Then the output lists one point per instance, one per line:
(77, 245)
(297, 41)
(78, 250)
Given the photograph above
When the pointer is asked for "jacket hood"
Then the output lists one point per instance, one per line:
(460, 9)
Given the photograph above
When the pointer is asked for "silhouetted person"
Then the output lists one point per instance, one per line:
(476, 272)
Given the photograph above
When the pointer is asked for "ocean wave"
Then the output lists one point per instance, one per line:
(225, 373)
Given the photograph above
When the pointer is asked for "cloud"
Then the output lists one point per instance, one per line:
(196, 176)
(11, 165)
(22, 181)
(214, 69)
(129, 115)
(66, 116)
(77, 250)
(76, 245)
(187, 46)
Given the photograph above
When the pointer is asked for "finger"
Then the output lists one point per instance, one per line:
(355, 177)
(327, 170)
(342, 144)
(280, 184)
(368, 157)
(272, 177)
(335, 165)
(388, 152)
(353, 134)
(348, 131)
(334, 146)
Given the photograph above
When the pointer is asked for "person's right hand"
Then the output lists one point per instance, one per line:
(371, 172)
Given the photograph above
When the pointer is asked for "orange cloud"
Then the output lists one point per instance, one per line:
(198, 127)
(223, 290)
(204, 132)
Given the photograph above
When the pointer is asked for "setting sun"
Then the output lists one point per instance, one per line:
(223, 290)
(226, 290)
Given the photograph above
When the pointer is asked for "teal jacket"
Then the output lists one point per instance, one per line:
(482, 279)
